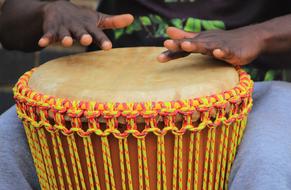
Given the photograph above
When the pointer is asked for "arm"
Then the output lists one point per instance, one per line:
(239, 46)
(30, 25)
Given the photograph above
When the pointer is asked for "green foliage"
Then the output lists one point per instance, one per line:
(156, 26)
(270, 75)
(193, 25)
(145, 20)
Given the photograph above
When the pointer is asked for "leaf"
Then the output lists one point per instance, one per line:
(135, 26)
(193, 25)
(156, 19)
(208, 25)
(118, 33)
(145, 20)
(270, 75)
(177, 22)
(218, 24)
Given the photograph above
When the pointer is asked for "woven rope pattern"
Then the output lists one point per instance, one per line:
(61, 164)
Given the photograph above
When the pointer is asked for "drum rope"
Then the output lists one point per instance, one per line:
(73, 162)
(57, 160)
(140, 167)
(219, 156)
(88, 162)
(175, 164)
(47, 157)
(180, 162)
(122, 168)
(110, 182)
(190, 161)
(128, 166)
(224, 157)
(145, 164)
(40, 169)
(64, 161)
(212, 157)
(197, 159)
(94, 165)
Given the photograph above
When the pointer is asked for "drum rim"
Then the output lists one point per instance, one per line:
(77, 109)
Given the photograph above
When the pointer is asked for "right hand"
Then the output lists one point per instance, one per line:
(65, 22)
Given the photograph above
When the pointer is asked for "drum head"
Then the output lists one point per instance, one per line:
(132, 75)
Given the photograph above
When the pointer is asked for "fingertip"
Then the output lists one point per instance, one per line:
(218, 53)
(168, 43)
(67, 41)
(86, 40)
(188, 46)
(43, 42)
(162, 58)
(106, 45)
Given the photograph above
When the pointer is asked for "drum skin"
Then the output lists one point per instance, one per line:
(121, 120)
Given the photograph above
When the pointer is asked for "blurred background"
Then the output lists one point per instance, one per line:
(13, 63)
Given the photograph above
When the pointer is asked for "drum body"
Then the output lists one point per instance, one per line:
(175, 143)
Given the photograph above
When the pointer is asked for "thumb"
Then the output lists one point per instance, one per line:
(114, 21)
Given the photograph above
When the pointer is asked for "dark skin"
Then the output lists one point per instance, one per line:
(42, 23)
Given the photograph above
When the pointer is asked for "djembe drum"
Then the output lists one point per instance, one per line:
(121, 120)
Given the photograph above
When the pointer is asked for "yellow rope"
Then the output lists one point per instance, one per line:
(122, 168)
(197, 160)
(164, 171)
(58, 163)
(74, 166)
(219, 160)
(140, 168)
(190, 161)
(88, 162)
(207, 160)
(94, 166)
(175, 164)
(64, 161)
(145, 165)
(128, 166)
(212, 151)
(224, 157)
(159, 166)
(38, 162)
(180, 162)
(47, 158)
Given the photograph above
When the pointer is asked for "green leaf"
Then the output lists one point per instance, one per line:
(118, 33)
(156, 19)
(270, 75)
(177, 22)
(193, 25)
(135, 26)
(208, 25)
(218, 24)
(145, 20)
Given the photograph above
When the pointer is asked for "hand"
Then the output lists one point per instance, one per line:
(64, 21)
(237, 47)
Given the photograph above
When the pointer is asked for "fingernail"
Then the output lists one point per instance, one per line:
(106, 45)
(86, 40)
(162, 58)
(67, 41)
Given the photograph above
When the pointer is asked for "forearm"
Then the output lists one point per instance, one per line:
(21, 24)
(276, 35)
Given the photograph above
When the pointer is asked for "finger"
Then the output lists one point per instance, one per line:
(176, 33)
(172, 45)
(47, 39)
(194, 47)
(168, 55)
(100, 38)
(114, 22)
(65, 37)
(82, 35)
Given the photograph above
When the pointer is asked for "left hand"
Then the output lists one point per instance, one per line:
(238, 47)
